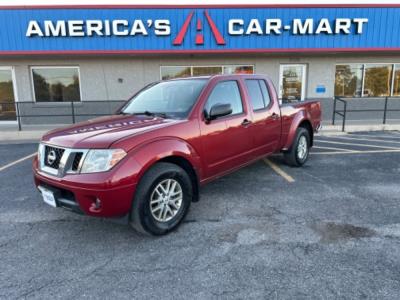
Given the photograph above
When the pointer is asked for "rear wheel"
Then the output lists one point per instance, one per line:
(298, 153)
(162, 199)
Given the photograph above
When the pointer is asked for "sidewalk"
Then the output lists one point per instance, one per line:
(32, 133)
(357, 127)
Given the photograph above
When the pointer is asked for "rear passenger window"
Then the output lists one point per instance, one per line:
(223, 93)
(264, 89)
(258, 93)
(256, 96)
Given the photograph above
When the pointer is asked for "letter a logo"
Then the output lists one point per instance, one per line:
(199, 35)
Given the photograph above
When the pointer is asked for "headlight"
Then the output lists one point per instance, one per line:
(101, 160)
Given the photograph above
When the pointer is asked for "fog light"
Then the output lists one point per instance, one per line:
(96, 205)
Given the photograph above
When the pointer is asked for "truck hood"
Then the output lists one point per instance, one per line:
(102, 132)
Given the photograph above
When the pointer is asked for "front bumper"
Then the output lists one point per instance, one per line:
(107, 194)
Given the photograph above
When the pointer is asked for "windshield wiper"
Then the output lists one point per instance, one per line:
(151, 114)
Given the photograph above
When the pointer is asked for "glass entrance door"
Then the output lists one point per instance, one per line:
(7, 95)
(292, 82)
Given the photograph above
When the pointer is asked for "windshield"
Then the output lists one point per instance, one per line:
(171, 99)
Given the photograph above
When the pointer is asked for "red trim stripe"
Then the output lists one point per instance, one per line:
(194, 51)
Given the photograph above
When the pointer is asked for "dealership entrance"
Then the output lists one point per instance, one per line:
(292, 82)
(7, 95)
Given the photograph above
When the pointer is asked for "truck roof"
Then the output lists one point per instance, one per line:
(212, 76)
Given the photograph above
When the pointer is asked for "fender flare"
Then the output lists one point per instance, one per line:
(297, 120)
(154, 151)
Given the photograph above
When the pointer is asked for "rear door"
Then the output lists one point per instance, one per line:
(227, 141)
(266, 127)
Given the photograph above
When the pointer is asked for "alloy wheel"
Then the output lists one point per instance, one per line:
(166, 200)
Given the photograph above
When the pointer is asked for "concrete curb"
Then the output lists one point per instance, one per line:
(31, 135)
(337, 129)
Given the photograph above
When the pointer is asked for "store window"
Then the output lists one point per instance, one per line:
(348, 80)
(367, 80)
(238, 69)
(396, 80)
(175, 72)
(56, 84)
(170, 72)
(205, 71)
(7, 97)
(377, 81)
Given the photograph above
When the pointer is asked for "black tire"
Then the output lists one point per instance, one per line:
(141, 217)
(291, 156)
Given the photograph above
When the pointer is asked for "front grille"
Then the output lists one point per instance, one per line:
(76, 161)
(52, 156)
(59, 161)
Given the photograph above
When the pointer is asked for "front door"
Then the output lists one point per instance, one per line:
(292, 82)
(7, 95)
(227, 141)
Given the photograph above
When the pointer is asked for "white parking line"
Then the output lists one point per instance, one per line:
(381, 136)
(333, 148)
(354, 144)
(363, 139)
(355, 152)
(17, 161)
(278, 170)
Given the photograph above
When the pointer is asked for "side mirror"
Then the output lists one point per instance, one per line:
(219, 110)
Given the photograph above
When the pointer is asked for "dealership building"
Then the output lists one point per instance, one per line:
(88, 59)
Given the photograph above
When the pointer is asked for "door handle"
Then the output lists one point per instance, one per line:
(246, 122)
(275, 116)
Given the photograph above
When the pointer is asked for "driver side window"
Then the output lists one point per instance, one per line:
(225, 92)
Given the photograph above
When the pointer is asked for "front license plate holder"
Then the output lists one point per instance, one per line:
(48, 196)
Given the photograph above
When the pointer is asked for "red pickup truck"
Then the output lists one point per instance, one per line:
(148, 160)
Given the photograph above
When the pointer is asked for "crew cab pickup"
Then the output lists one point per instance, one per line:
(148, 160)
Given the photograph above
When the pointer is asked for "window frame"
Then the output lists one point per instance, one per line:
(55, 67)
(244, 108)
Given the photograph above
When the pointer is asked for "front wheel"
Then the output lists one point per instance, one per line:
(298, 153)
(162, 199)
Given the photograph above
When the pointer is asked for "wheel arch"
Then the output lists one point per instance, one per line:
(306, 124)
(187, 166)
(300, 120)
(182, 155)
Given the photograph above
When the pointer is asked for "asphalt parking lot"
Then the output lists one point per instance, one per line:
(328, 230)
